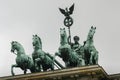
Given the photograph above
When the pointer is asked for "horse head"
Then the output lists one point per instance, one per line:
(37, 42)
(91, 32)
(62, 32)
(16, 46)
(63, 36)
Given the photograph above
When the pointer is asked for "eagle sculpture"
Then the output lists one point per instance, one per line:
(67, 12)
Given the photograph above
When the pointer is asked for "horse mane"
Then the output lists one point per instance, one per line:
(21, 46)
(89, 33)
(40, 42)
(19, 43)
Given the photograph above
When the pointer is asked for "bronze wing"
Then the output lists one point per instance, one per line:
(62, 11)
(71, 9)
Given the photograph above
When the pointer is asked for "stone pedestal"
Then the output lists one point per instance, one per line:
(95, 72)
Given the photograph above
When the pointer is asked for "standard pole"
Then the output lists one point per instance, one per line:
(69, 34)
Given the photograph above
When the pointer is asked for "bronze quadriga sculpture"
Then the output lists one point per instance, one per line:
(69, 56)
(91, 54)
(22, 60)
(73, 54)
(40, 58)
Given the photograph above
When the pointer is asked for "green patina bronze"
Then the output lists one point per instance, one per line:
(22, 60)
(77, 47)
(91, 54)
(40, 58)
(69, 56)
(73, 54)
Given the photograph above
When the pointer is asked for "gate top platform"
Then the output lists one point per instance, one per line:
(94, 71)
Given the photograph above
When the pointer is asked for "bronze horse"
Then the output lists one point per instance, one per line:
(40, 57)
(90, 52)
(22, 60)
(69, 56)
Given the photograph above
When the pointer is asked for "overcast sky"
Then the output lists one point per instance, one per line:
(20, 19)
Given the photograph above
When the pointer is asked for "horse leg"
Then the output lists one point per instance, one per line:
(15, 65)
(44, 68)
(81, 62)
(67, 64)
(87, 59)
(96, 58)
(92, 57)
(37, 64)
(52, 67)
(25, 71)
(91, 60)
(32, 67)
(39, 67)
